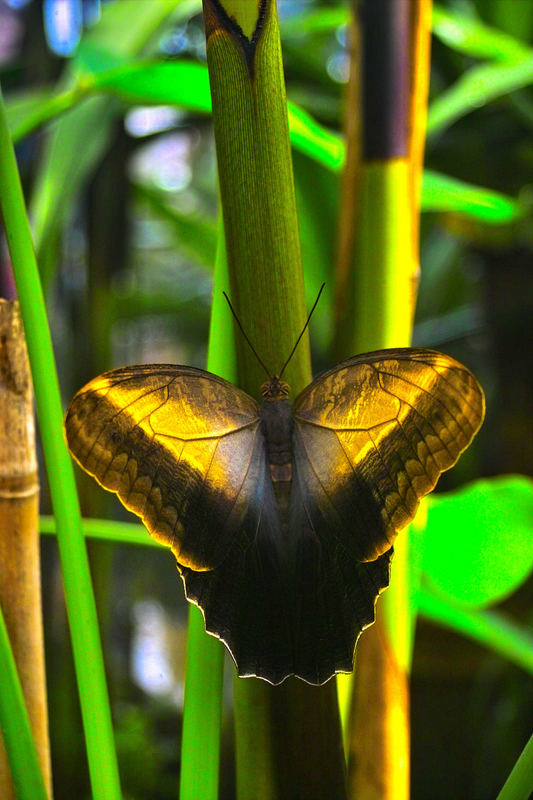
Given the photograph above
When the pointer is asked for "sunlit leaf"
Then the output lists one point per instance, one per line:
(442, 193)
(186, 84)
(314, 139)
(471, 36)
(477, 87)
(180, 83)
(478, 540)
(107, 530)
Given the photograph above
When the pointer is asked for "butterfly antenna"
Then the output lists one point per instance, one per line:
(252, 348)
(303, 330)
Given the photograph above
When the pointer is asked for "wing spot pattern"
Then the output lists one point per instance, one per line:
(395, 489)
(434, 397)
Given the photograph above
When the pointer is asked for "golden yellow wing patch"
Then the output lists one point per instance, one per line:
(175, 444)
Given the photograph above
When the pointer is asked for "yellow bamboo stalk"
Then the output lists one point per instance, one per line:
(380, 757)
(351, 174)
(385, 252)
(420, 28)
(20, 583)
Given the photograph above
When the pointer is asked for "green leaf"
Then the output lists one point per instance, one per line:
(186, 84)
(107, 530)
(78, 140)
(179, 83)
(79, 597)
(471, 36)
(311, 138)
(478, 541)
(519, 784)
(22, 105)
(477, 87)
(319, 19)
(442, 193)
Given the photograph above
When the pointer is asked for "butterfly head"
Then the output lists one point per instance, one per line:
(275, 389)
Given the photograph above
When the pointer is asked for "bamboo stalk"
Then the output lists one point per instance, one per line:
(378, 313)
(288, 740)
(20, 582)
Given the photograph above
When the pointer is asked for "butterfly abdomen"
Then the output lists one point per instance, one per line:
(276, 426)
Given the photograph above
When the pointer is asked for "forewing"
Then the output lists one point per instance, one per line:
(176, 444)
(372, 436)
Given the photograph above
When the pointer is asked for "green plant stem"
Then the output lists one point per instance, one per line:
(288, 740)
(76, 578)
(519, 784)
(15, 727)
(200, 746)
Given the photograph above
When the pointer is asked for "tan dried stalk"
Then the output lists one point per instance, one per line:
(20, 582)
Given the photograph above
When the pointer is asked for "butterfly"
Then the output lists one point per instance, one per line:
(281, 516)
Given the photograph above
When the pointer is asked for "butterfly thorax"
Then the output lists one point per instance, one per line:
(275, 389)
(276, 426)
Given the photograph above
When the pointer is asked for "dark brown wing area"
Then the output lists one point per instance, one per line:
(175, 443)
(247, 600)
(372, 436)
(334, 592)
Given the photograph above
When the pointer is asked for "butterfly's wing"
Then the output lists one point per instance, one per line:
(183, 449)
(247, 600)
(374, 434)
(180, 448)
(371, 437)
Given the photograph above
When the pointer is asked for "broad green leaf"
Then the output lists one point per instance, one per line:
(477, 87)
(180, 83)
(471, 36)
(442, 193)
(478, 544)
(186, 84)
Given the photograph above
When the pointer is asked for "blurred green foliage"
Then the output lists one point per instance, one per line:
(116, 152)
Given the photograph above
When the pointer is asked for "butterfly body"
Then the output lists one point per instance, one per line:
(277, 428)
(281, 517)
